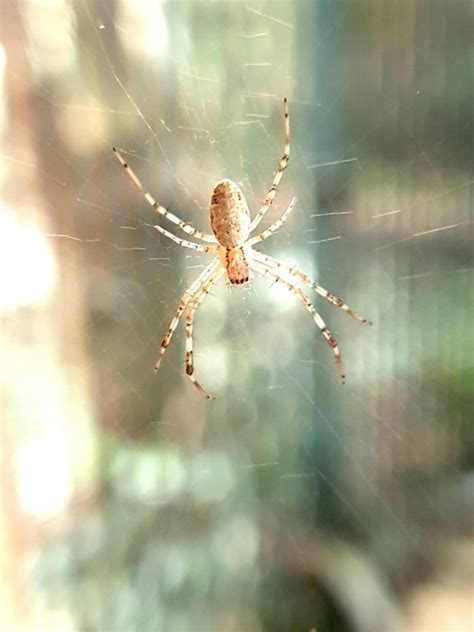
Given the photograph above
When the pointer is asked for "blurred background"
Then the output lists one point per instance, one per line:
(129, 503)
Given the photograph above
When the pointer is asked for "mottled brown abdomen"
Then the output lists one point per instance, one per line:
(229, 214)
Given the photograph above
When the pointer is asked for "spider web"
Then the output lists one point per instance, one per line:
(288, 482)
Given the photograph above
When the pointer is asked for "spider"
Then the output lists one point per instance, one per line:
(233, 244)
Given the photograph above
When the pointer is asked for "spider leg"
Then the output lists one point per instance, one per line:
(191, 311)
(187, 228)
(183, 303)
(281, 168)
(293, 271)
(185, 243)
(274, 227)
(261, 268)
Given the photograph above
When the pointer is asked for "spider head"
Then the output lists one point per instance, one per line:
(235, 262)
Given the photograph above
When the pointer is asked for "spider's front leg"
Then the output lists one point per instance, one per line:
(190, 314)
(183, 303)
(298, 292)
(293, 271)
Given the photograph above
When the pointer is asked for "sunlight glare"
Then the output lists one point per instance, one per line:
(27, 268)
(142, 28)
(43, 474)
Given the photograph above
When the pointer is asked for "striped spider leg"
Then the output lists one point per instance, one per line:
(292, 271)
(200, 295)
(191, 293)
(187, 228)
(283, 164)
(268, 272)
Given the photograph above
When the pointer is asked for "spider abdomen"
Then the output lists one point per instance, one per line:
(229, 214)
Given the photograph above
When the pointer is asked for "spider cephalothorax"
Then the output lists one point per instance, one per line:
(232, 243)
